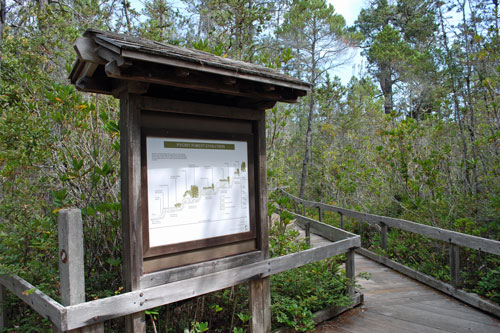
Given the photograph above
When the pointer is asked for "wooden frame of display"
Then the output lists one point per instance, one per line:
(184, 246)
(167, 87)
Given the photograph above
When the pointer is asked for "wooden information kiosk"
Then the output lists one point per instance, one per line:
(193, 159)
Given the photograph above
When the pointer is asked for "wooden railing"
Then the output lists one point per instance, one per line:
(452, 238)
(164, 287)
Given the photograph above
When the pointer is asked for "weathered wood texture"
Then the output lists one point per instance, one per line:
(106, 59)
(260, 289)
(473, 242)
(71, 264)
(197, 109)
(395, 303)
(325, 230)
(37, 300)
(3, 313)
(383, 237)
(125, 46)
(350, 271)
(85, 314)
(469, 298)
(453, 238)
(261, 183)
(130, 161)
(260, 305)
(140, 300)
(194, 270)
(454, 255)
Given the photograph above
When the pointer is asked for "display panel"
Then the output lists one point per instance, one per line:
(197, 189)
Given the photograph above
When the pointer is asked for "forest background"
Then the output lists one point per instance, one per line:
(414, 134)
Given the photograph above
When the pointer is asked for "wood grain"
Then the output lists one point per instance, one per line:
(469, 298)
(199, 269)
(396, 303)
(41, 303)
(139, 300)
(130, 161)
(473, 242)
(72, 279)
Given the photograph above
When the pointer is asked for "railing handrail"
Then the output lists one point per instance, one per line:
(97, 311)
(452, 237)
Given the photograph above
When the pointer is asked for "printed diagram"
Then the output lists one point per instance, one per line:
(197, 189)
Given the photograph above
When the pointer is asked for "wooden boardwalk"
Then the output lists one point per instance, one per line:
(396, 303)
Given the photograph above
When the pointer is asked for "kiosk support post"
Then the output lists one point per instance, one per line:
(210, 114)
(130, 146)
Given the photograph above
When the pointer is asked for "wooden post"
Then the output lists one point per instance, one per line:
(383, 237)
(342, 221)
(454, 252)
(130, 162)
(350, 271)
(260, 288)
(308, 234)
(320, 214)
(260, 301)
(71, 264)
(304, 210)
(3, 313)
(70, 228)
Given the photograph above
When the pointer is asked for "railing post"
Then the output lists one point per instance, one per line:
(71, 264)
(350, 271)
(3, 312)
(260, 305)
(383, 236)
(303, 210)
(320, 214)
(308, 234)
(342, 221)
(454, 252)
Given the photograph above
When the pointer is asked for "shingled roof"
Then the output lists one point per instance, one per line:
(106, 60)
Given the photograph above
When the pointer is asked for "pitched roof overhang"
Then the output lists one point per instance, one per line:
(108, 61)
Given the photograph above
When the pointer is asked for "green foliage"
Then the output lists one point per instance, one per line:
(489, 285)
(298, 293)
(58, 149)
(197, 327)
(161, 22)
(434, 158)
(284, 238)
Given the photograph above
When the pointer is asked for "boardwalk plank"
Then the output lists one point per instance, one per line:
(367, 321)
(457, 306)
(406, 300)
(445, 310)
(396, 303)
(433, 319)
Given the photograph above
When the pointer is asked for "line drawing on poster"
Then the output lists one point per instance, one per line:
(197, 189)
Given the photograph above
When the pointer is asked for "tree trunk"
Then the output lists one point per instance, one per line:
(307, 149)
(385, 81)
(127, 18)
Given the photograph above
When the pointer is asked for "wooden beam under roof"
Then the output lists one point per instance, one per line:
(111, 58)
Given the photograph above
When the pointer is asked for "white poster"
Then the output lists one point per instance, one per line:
(197, 189)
